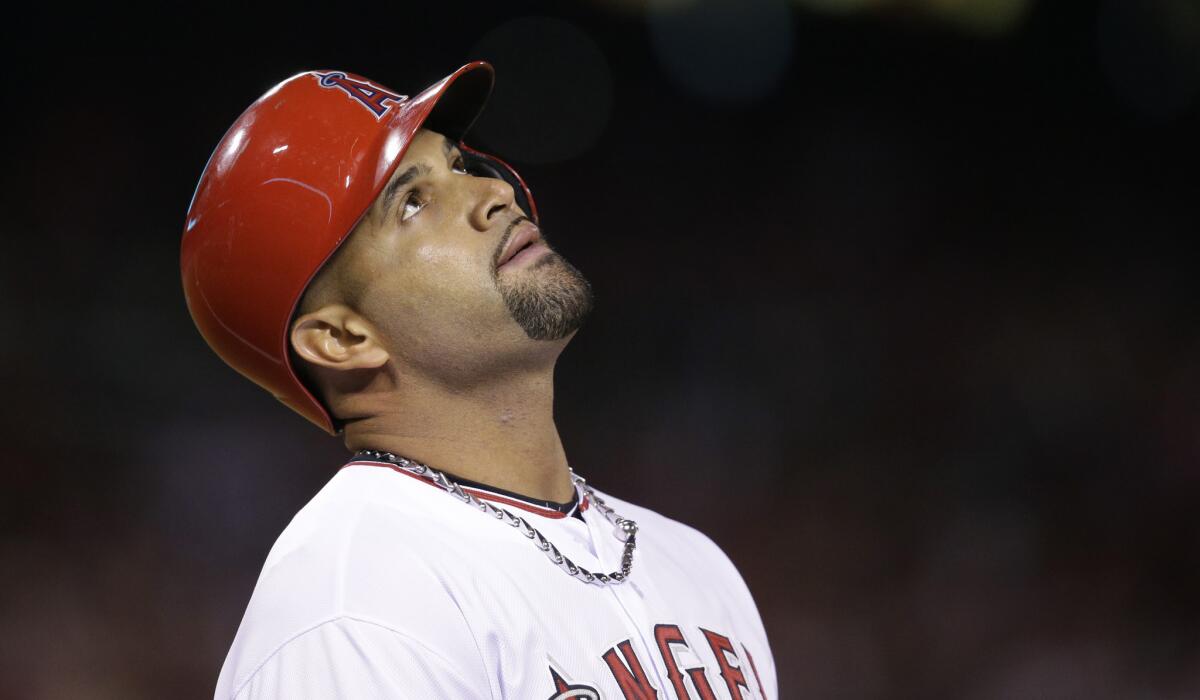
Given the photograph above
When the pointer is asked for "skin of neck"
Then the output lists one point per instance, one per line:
(499, 432)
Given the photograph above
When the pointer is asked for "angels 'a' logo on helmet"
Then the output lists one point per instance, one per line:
(571, 691)
(370, 96)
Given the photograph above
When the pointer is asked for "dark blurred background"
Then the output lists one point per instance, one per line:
(895, 301)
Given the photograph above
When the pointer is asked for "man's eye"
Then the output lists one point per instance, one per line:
(412, 204)
(460, 166)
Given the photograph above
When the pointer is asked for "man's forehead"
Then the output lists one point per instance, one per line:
(429, 136)
(429, 140)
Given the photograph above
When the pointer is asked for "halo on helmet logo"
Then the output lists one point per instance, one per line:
(370, 96)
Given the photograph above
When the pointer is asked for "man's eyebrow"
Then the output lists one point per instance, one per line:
(389, 192)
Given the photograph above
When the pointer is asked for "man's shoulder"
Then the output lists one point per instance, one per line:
(365, 524)
(357, 550)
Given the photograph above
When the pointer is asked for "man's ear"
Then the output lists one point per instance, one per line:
(336, 337)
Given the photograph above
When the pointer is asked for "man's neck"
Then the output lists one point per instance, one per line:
(501, 434)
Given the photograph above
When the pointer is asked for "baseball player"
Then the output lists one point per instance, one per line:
(350, 254)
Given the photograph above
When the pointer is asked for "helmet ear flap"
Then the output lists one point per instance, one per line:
(484, 165)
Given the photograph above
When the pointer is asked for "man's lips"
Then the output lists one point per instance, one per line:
(524, 234)
(525, 254)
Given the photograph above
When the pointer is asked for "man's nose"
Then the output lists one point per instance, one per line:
(494, 198)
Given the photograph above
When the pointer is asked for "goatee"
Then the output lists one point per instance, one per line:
(549, 299)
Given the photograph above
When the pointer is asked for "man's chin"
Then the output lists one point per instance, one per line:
(551, 301)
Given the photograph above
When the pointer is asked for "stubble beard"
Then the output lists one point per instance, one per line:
(549, 299)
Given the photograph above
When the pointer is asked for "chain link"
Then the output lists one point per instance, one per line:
(624, 530)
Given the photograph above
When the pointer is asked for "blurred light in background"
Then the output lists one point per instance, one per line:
(977, 16)
(1150, 53)
(842, 6)
(722, 49)
(984, 17)
(546, 109)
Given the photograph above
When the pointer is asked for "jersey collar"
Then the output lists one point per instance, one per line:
(548, 509)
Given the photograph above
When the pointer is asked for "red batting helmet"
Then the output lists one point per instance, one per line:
(285, 186)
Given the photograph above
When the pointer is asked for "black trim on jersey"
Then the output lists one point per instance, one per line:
(571, 507)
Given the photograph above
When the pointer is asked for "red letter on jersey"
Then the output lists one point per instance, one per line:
(757, 678)
(666, 635)
(632, 679)
(733, 675)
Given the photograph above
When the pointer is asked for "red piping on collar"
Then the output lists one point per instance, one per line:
(478, 493)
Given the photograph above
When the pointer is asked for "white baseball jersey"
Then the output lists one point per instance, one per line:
(385, 586)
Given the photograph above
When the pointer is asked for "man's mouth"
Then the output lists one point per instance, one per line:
(524, 238)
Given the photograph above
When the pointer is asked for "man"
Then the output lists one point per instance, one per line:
(347, 251)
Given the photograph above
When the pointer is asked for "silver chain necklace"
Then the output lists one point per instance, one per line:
(624, 530)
